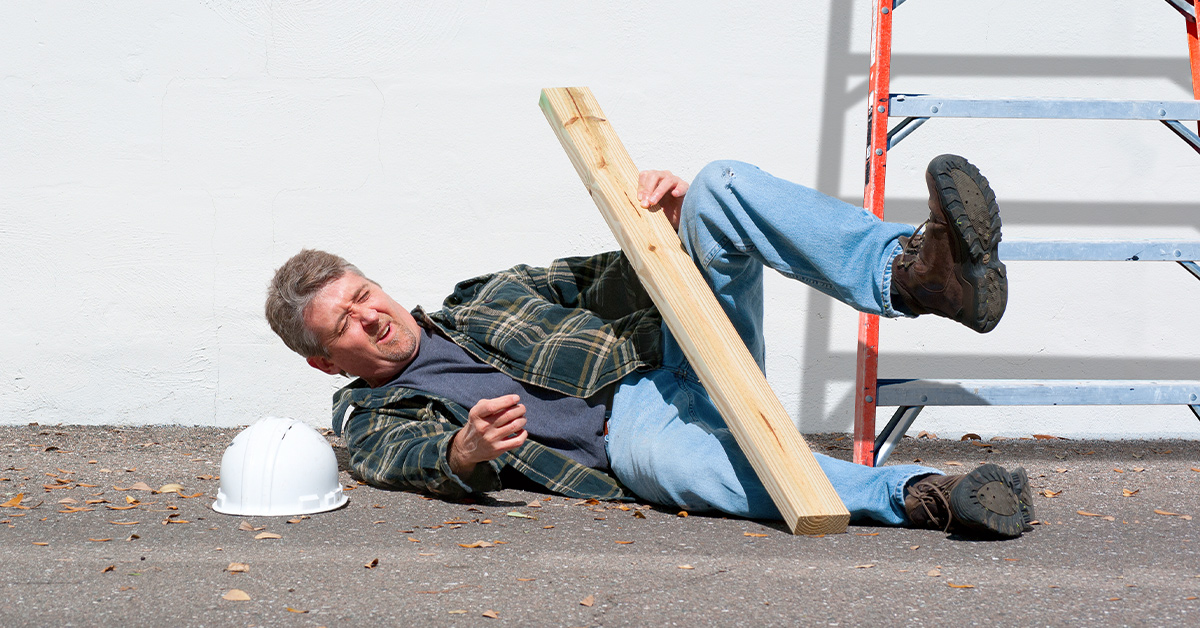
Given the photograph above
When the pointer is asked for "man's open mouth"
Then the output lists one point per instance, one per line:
(387, 331)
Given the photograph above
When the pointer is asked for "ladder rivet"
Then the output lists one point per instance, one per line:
(880, 108)
(878, 151)
(933, 109)
(1162, 112)
(869, 399)
(884, 10)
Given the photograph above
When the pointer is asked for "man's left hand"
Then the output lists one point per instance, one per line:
(660, 187)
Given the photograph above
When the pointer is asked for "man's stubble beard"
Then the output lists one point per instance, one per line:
(407, 345)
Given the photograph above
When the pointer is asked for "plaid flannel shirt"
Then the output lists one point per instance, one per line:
(575, 327)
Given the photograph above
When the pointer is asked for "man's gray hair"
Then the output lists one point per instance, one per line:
(292, 290)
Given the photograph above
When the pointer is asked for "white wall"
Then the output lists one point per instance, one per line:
(159, 159)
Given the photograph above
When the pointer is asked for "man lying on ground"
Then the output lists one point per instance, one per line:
(567, 376)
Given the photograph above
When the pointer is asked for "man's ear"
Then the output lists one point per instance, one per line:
(325, 365)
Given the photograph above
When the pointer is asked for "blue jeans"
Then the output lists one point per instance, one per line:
(666, 441)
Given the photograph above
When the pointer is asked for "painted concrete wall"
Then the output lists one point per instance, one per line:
(159, 159)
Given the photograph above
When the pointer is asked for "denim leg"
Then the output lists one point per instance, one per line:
(669, 445)
(666, 441)
(737, 218)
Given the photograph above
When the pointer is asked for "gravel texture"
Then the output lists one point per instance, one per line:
(565, 562)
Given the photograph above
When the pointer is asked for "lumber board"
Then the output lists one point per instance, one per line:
(739, 390)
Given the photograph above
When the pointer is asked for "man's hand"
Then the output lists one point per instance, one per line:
(660, 187)
(494, 426)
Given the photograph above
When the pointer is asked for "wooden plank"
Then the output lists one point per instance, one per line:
(738, 388)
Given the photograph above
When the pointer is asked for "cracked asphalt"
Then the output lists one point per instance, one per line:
(1101, 554)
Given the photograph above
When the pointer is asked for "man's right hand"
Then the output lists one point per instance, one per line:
(494, 426)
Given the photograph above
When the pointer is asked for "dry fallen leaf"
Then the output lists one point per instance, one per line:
(294, 610)
(960, 586)
(1128, 493)
(866, 534)
(1165, 513)
(373, 564)
(953, 463)
(637, 514)
(970, 436)
(686, 567)
(1050, 493)
(1118, 471)
(124, 523)
(929, 435)
(457, 612)
(526, 579)
(476, 544)
(681, 513)
(934, 573)
(754, 534)
(1087, 514)
(40, 543)
(236, 595)
(1047, 437)
(866, 566)
(534, 504)
(14, 502)
(491, 614)
(624, 542)
(237, 568)
(246, 527)
(99, 540)
(266, 535)
(170, 488)
(108, 569)
(588, 601)
(520, 515)
(139, 486)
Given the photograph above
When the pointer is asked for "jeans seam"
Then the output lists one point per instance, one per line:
(886, 286)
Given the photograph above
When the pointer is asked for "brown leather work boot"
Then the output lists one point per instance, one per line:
(949, 267)
(985, 502)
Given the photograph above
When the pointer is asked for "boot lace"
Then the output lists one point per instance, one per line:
(935, 501)
(912, 245)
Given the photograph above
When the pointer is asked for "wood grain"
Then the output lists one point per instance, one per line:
(738, 388)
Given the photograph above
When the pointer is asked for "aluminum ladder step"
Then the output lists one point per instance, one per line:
(1036, 392)
(927, 106)
(1100, 250)
(912, 395)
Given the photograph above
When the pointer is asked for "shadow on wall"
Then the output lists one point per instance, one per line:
(841, 64)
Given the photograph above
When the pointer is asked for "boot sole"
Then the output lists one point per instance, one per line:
(986, 501)
(1024, 498)
(971, 210)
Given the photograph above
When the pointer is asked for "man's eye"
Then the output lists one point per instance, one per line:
(365, 295)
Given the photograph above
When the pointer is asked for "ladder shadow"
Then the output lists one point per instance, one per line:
(819, 366)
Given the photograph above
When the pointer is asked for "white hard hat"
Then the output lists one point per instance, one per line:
(278, 467)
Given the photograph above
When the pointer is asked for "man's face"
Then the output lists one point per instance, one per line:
(366, 333)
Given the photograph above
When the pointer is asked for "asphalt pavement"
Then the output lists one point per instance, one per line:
(90, 543)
